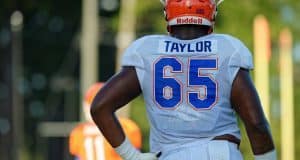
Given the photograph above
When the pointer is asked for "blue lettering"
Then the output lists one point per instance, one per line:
(182, 46)
(189, 48)
(207, 46)
(199, 47)
(175, 47)
(167, 45)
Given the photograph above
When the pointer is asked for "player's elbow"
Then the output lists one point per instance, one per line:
(97, 109)
(93, 110)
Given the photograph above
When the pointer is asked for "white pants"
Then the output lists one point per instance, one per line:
(213, 150)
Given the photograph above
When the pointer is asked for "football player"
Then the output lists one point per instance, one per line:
(194, 82)
(87, 143)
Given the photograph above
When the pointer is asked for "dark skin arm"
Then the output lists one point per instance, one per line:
(117, 92)
(246, 103)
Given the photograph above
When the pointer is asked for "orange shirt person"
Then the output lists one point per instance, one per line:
(87, 143)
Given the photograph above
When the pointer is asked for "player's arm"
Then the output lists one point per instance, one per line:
(246, 102)
(117, 92)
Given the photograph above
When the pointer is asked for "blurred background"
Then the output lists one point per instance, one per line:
(52, 50)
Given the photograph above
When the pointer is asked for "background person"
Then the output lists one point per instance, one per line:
(87, 143)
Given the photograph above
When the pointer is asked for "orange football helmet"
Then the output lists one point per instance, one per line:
(199, 12)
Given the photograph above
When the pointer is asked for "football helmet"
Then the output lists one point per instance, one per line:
(198, 12)
(91, 93)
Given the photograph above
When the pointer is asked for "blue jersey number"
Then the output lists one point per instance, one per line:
(201, 91)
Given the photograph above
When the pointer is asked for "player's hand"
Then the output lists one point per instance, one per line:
(147, 156)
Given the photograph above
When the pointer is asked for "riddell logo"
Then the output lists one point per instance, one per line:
(189, 21)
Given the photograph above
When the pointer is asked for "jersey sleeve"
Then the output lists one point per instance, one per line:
(242, 58)
(131, 56)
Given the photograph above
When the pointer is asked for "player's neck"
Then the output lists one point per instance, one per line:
(187, 32)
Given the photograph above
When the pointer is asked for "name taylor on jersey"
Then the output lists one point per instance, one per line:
(205, 46)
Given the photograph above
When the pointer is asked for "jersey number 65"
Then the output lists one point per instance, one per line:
(201, 89)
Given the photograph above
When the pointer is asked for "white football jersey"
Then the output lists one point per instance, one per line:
(186, 85)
